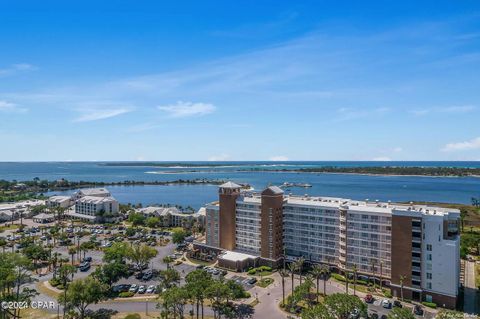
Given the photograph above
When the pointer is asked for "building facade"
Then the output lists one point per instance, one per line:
(414, 248)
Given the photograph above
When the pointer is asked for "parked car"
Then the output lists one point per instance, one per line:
(84, 266)
(369, 299)
(142, 289)
(87, 259)
(138, 275)
(417, 310)
(387, 304)
(252, 281)
(397, 303)
(147, 276)
(133, 288)
(121, 288)
(151, 289)
(355, 314)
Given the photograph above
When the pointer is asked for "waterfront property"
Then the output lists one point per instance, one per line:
(172, 216)
(413, 248)
(59, 201)
(13, 211)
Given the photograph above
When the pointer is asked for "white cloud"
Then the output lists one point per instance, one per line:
(348, 113)
(382, 159)
(455, 109)
(219, 158)
(11, 107)
(187, 109)
(95, 114)
(278, 158)
(397, 149)
(17, 68)
(472, 144)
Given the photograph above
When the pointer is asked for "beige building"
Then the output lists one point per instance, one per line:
(420, 244)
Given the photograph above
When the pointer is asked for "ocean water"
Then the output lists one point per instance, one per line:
(383, 188)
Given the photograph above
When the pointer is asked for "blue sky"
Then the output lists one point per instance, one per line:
(244, 80)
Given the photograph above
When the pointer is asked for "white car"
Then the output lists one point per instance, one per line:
(133, 288)
(151, 289)
(387, 304)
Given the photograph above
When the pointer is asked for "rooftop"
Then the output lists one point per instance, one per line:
(230, 185)
(236, 256)
(94, 191)
(95, 199)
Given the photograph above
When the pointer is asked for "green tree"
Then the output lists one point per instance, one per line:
(402, 282)
(401, 313)
(152, 222)
(35, 253)
(65, 275)
(283, 274)
(83, 292)
(136, 219)
(169, 277)
(341, 305)
(15, 270)
(111, 273)
(317, 312)
(117, 252)
(178, 236)
(173, 302)
(197, 283)
(317, 273)
(141, 254)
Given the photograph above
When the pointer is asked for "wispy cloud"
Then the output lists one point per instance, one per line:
(11, 107)
(350, 113)
(456, 109)
(187, 109)
(472, 144)
(17, 68)
(88, 115)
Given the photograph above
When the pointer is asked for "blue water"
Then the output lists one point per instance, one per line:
(394, 188)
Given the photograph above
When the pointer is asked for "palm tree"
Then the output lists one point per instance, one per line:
(317, 272)
(402, 279)
(373, 263)
(355, 270)
(300, 263)
(72, 251)
(283, 273)
(325, 272)
(292, 267)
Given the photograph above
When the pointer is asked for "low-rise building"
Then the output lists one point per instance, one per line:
(59, 201)
(172, 216)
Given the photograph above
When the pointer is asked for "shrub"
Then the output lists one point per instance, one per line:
(133, 316)
(54, 282)
(338, 277)
(388, 294)
(429, 304)
(126, 294)
(252, 271)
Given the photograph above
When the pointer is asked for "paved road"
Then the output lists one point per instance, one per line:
(470, 295)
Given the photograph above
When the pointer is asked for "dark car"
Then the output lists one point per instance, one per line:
(147, 276)
(252, 280)
(121, 288)
(87, 259)
(397, 304)
(139, 275)
(369, 298)
(417, 310)
(84, 266)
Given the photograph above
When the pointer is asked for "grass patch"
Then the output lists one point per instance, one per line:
(265, 282)
(46, 291)
(200, 262)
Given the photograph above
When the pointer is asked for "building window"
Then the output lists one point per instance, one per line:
(429, 257)
(429, 275)
(429, 247)
(429, 286)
